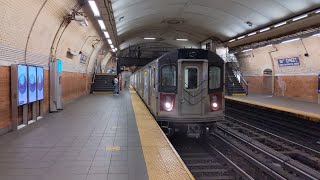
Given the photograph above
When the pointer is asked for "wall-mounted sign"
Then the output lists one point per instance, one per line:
(22, 85)
(40, 83)
(83, 59)
(32, 84)
(294, 61)
(59, 66)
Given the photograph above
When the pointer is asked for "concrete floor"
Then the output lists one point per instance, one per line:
(93, 138)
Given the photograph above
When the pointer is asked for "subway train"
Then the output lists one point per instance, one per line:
(184, 90)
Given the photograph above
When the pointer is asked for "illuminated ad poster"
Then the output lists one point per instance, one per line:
(22, 85)
(40, 82)
(32, 85)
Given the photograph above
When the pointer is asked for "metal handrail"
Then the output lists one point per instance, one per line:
(242, 80)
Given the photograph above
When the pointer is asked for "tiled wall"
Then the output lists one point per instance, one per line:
(18, 19)
(298, 82)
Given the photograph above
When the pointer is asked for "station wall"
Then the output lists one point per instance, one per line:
(28, 31)
(297, 82)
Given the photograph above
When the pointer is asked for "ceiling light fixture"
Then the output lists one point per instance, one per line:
(113, 50)
(116, 49)
(150, 38)
(112, 46)
(251, 34)
(241, 37)
(106, 34)
(182, 39)
(291, 40)
(300, 17)
(318, 11)
(109, 41)
(94, 8)
(247, 50)
(101, 23)
(266, 29)
(232, 40)
(280, 24)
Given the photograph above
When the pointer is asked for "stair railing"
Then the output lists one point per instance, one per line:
(234, 67)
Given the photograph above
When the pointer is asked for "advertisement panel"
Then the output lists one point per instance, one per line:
(32, 84)
(22, 85)
(40, 83)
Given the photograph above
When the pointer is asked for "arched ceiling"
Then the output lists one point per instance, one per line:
(198, 19)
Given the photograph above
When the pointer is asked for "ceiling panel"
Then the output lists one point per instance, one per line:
(223, 19)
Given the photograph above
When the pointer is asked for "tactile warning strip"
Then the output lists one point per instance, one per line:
(162, 161)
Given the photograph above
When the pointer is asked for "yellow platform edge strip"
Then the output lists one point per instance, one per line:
(158, 152)
(313, 116)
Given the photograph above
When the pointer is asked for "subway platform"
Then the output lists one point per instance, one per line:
(308, 110)
(98, 137)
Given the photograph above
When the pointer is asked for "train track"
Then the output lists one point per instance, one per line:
(207, 162)
(237, 150)
(283, 124)
(281, 157)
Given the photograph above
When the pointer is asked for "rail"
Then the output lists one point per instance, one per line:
(237, 73)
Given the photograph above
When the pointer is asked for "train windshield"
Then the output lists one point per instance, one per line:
(214, 77)
(191, 78)
(168, 76)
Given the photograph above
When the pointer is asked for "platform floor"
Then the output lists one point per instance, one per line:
(93, 138)
(307, 109)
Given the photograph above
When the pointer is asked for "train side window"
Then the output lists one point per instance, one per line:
(168, 76)
(214, 77)
(191, 78)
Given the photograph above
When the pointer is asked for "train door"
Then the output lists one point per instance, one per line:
(150, 84)
(193, 83)
(146, 85)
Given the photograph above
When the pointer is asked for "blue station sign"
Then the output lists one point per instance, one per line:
(294, 61)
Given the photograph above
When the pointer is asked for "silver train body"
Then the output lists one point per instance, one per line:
(184, 90)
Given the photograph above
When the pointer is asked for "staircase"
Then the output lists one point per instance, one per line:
(235, 86)
(102, 83)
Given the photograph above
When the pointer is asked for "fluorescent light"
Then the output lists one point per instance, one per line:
(101, 23)
(291, 40)
(106, 34)
(300, 17)
(247, 50)
(232, 40)
(280, 24)
(112, 46)
(182, 39)
(149, 38)
(266, 29)
(113, 50)
(251, 34)
(241, 37)
(116, 49)
(110, 41)
(94, 8)
(317, 35)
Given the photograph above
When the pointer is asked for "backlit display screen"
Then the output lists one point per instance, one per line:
(22, 85)
(40, 82)
(32, 83)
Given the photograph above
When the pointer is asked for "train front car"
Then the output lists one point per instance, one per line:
(191, 91)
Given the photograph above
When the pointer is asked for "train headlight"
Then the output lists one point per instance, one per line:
(215, 105)
(168, 104)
